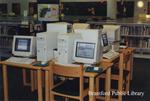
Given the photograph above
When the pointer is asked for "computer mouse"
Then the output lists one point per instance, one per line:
(43, 62)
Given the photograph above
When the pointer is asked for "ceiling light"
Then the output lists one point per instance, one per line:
(140, 4)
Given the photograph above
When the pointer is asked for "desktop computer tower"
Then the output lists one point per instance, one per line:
(46, 42)
(65, 47)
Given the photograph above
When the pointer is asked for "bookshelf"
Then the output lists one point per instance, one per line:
(138, 37)
(10, 26)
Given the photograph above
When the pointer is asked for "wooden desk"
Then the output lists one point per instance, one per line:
(92, 76)
(22, 66)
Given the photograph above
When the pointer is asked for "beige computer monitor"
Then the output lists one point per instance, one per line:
(81, 26)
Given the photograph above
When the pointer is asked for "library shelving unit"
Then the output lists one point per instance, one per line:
(10, 26)
(138, 37)
(134, 33)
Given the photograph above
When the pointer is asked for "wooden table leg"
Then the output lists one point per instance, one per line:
(47, 86)
(39, 79)
(24, 76)
(108, 83)
(120, 84)
(5, 82)
(32, 80)
(35, 80)
(91, 89)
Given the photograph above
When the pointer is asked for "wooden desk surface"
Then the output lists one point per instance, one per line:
(115, 58)
(105, 65)
(27, 66)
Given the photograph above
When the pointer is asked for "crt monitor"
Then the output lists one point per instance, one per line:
(23, 46)
(87, 52)
(113, 32)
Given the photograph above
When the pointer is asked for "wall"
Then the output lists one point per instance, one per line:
(82, 0)
(32, 0)
(24, 4)
(9, 2)
(111, 12)
(109, 8)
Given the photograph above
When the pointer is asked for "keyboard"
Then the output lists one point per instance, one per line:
(110, 55)
(20, 60)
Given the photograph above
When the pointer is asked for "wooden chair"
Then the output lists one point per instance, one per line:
(122, 73)
(68, 89)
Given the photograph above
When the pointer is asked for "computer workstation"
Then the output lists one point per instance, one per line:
(88, 45)
(108, 51)
(111, 41)
(84, 45)
(23, 49)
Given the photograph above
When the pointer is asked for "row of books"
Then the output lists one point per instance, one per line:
(5, 42)
(135, 30)
(139, 43)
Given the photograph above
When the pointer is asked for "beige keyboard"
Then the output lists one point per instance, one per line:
(110, 55)
(20, 60)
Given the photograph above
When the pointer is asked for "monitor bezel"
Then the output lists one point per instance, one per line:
(84, 60)
(30, 53)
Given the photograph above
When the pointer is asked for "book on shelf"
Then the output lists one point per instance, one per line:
(5, 42)
(135, 30)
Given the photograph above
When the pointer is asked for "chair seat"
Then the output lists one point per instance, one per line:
(70, 87)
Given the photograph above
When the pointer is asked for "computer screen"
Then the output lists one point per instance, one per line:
(85, 50)
(24, 46)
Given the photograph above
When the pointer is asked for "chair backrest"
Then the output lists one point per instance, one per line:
(125, 57)
(69, 71)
